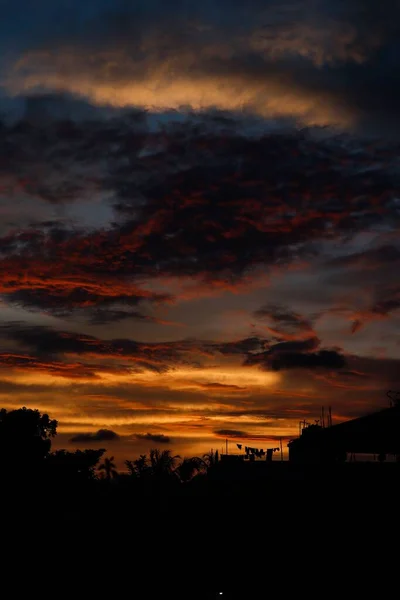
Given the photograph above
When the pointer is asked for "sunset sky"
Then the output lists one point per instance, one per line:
(200, 209)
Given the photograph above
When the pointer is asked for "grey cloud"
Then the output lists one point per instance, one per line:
(307, 345)
(158, 438)
(248, 345)
(323, 359)
(301, 354)
(234, 433)
(284, 320)
(102, 435)
(159, 227)
(50, 346)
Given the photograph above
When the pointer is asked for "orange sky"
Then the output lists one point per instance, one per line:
(199, 219)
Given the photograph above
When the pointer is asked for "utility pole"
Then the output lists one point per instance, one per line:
(226, 441)
(280, 439)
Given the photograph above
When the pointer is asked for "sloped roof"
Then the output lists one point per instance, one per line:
(376, 432)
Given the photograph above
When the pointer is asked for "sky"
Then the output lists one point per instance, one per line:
(200, 211)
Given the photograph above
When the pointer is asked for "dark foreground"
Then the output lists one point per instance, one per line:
(241, 532)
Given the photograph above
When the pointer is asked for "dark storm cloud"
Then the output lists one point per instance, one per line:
(45, 348)
(301, 354)
(248, 202)
(102, 435)
(331, 58)
(63, 302)
(307, 345)
(207, 205)
(326, 359)
(49, 343)
(158, 438)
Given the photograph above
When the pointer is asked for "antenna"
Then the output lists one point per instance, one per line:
(330, 416)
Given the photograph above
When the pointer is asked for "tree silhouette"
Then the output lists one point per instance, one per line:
(190, 467)
(162, 463)
(142, 465)
(139, 467)
(24, 439)
(74, 466)
(130, 465)
(109, 468)
(210, 459)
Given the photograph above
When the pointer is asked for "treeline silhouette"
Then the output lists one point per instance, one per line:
(26, 456)
(186, 527)
(166, 505)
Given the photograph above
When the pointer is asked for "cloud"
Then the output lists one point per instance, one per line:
(215, 386)
(248, 345)
(245, 435)
(102, 316)
(196, 204)
(158, 438)
(325, 62)
(102, 435)
(60, 368)
(306, 345)
(326, 359)
(297, 355)
(231, 433)
(287, 324)
(68, 354)
(379, 302)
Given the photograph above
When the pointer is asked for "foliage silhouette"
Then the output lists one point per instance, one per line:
(74, 466)
(138, 468)
(190, 467)
(162, 463)
(108, 466)
(25, 440)
(211, 459)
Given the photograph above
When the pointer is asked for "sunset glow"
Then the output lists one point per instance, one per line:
(199, 232)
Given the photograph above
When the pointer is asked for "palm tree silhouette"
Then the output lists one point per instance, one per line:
(130, 465)
(162, 462)
(141, 465)
(109, 468)
(190, 467)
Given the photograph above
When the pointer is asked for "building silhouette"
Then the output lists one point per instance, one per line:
(376, 434)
